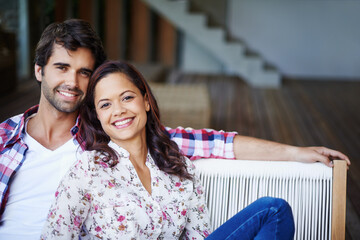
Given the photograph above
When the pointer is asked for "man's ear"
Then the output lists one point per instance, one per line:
(38, 72)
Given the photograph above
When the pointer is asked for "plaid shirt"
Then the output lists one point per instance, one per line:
(195, 144)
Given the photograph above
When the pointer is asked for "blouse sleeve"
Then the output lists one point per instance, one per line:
(71, 206)
(203, 143)
(198, 220)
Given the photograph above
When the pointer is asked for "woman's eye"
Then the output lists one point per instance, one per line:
(127, 98)
(104, 105)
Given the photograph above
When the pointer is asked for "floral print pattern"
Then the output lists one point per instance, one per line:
(112, 203)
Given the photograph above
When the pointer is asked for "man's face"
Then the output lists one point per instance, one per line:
(65, 77)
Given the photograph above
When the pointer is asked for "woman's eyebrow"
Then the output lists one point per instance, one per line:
(126, 91)
(121, 94)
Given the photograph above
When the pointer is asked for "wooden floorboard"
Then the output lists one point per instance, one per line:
(301, 113)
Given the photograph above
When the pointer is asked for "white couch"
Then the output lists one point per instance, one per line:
(315, 192)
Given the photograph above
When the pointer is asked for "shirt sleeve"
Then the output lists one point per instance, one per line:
(203, 143)
(198, 220)
(71, 206)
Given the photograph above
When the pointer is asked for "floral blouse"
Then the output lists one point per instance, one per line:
(112, 203)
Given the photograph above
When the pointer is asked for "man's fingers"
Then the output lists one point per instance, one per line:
(332, 154)
(324, 159)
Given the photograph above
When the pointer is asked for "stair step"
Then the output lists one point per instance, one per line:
(268, 78)
(254, 64)
(193, 20)
(214, 37)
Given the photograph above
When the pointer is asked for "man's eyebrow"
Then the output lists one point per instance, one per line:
(68, 65)
(61, 64)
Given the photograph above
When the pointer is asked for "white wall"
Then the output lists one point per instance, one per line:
(303, 38)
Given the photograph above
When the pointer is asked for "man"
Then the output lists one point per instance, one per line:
(39, 146)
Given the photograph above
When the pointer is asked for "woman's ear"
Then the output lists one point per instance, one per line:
(147, 104)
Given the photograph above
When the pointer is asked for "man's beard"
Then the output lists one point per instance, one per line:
(59, 104)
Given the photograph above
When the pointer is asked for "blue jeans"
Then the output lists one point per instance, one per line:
(266, 218)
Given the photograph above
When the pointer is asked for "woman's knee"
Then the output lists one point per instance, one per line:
(282, 211)
(277, 206)
(273, 202)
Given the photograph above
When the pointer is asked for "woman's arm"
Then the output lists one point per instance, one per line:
(249, 148)
(70, 208)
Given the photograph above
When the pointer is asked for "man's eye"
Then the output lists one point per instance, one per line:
(85, 74)
(61, 68)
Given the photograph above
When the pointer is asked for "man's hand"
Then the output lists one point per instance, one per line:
(249, 148)
(319, 154)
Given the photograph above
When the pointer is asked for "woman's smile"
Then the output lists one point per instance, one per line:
(123, 123)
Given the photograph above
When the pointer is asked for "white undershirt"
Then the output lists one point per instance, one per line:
(33, 187)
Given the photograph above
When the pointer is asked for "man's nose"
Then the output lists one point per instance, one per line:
(71, 79)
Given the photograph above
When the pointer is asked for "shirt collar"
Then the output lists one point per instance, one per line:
(121, 151)
(125, 155)
(19, 130)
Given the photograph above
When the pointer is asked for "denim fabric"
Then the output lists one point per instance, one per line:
(266, 218)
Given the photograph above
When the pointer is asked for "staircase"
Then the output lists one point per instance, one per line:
(231, 54)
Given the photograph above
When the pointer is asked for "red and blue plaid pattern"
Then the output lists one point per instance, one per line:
(203, 143)
(12, 150)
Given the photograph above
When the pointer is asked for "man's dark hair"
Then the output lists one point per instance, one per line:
(71, 34)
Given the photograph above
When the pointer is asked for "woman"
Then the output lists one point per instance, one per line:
(133, 183)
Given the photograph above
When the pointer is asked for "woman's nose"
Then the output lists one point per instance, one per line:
(118, 109)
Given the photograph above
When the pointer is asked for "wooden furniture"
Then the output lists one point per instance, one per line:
(339, 200)
(315, 192)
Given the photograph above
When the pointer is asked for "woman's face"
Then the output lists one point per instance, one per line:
(121, 108)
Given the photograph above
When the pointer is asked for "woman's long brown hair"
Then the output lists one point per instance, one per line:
(164, 151)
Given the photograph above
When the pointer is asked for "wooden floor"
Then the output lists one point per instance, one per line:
(301, 113)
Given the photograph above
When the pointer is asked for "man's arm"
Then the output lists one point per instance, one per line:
(203, 143)
(249, 148)
(208, 143)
